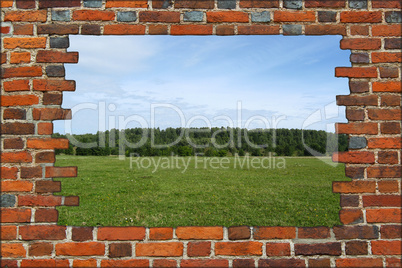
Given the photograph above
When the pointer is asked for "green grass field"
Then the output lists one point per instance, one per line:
(112, 194)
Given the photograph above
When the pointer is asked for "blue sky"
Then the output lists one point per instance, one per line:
(195, 81)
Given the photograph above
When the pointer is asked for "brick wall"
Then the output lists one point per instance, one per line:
(33, 50)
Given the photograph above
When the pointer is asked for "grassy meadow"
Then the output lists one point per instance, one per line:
(113, 194)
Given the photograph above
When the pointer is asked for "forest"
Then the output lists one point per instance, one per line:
(205, 142)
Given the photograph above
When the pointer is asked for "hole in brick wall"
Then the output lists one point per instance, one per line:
(276, 83)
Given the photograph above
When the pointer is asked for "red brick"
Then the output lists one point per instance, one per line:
(204, 263)
(384, 172)
(39, 200)
(125, 3)
(58, 3)
(161, 233)
(227, 16)
(18, 128)
(159, 16)
(325, 30)
(61, 172)
(361, 16)
(84, 263)
(281, 263)
(274, 233)
(390, 128)
(19, 100)
(164, 263)
(359, 30)
(91, 29)
(258, 30)
(3, 58)
(379, 57)
(16, 186)
(356, 128)
(9, 172)
(82, 233)
(12, 250)
(8, 232)
(347, 100)
(20, 57)
(53, 85)
(385, 114)
(71, 201)
(47, 143)
(40, 249)
(26, 16)
(58, 29)
(384, 143)
(319, 263)
(390, 100)
(16, 157)
(191, 29)
(387, 157)
(386, 30)
(46, 215)
(5, 29)
(358, 262)
(387, 4)
(44, 263)
(22, 72)
(358, 86)
(351, 216)
(6, 3)
(13, 113)
(259, 4)
(356, 248)
(51, 114)
(391, 215)
(117, 250)
(45, 157)
(125, 263)
(121, 29)
(42, 232)
(354, 157)
(391, 231)
(199, 233)
(361, 43)
(381, 247)
(52, 99)
(224, 30)
(324, 3)
(390, 86)
(167, 249)
(330, 248)
(353, 186)
(250, 248)
(45, 128)
(26, 4)
(23, 29)
(31, 172)
(393, 262)
(158, 29)
(80, 249)
(278, 249)
(356, 72)
(239, 232)
(355, 114)
(356, 232)
(313, 232)
(47, 186)
(56, 57)
(388, 186)
(199, 249)
(16, 85)
(93, 15)
(24, 42)
(121, 233)
(294, 16)
(15, 215)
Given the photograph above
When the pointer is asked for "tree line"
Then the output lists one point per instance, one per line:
(205, 141)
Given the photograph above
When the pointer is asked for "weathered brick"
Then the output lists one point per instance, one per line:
(164, 263)
(12, 250)
(263, 16)
(313, 232)
(124, 29)
(391, 231)
(386, 30)
(357, 142)
(387, 157)
(162, 4)
(393, 43)
(359, 30)
(390, 128)
(327, 16)
(239, 232)
(358, 4)
(325, 30)
(330, 248)
(199, 233)
(199, 249)
(9, 172)
(19, 100)
(121, 233)
(126, 16)
(355, 114)
(60, 172)
(61, 15)
(93, 3)
(40, 249)
(127, 3)
(49, 56)
(47, 186)
(20, 57)
(168, 249)
(356, 232)
(31, 71)
(161, 233)
(381, 247)
(18, 128)
(359, 58)
(60, 29)
(91, 29)
(361, 16)
(389, 86)
(281, 263)
(31, 172)
(39, 200)
(351, 216)
(42, 232)
(324, 3)
(380, 57)
(293, 4)
(8, 232)
(250, 248)
(384, 172)
(194, 16)
(16, 157)
(15, 215)
(23, 29)
(82, 233)
(46, 215)
(45, 128)
(385, 114)
(347, 100)
(16, 186)
(29, 263)
(381, 200)
(387, 4)
(227, 16)
(361, 43)
(292, 29)
(117, 250)
(349, 200)
(93, 15)
(354, 172)
(12, 113)
(26, 16)
(353, 187)
(274, 232)
(55, 71)
(80, 249)
(59, 42)
(204, 263)
(354, 157)
(258, 3)
(159, 16)
(26, 4)
(356, 248)
(278, 249)
(393, 16)
(157, 29)
(358, 86)
(45, 157)
(8, 200)
(384, 143)
(58, 3)
(226, 4)
(389, 72)
(294, 16)
(257, 30)
(224, 30)
(319, 263)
